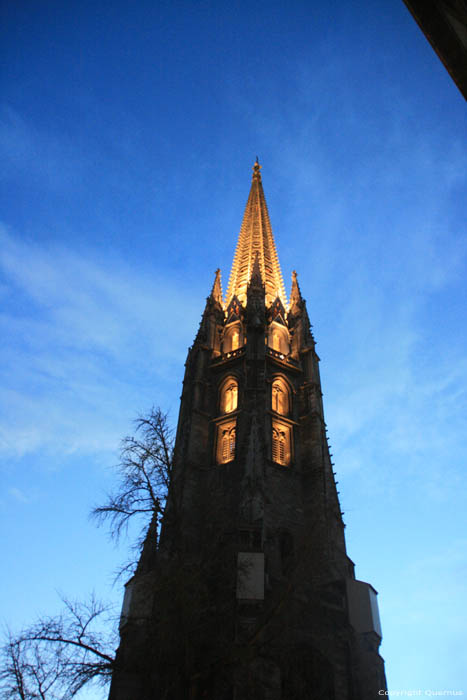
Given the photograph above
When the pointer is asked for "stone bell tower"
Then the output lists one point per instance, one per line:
(248, 593)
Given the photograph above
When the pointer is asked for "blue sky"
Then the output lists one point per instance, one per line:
(127, 136)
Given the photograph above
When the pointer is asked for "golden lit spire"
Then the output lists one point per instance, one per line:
(256, 241)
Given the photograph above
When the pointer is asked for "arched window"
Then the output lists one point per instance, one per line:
(280, 397)
(281, 443)
(229, 396)
(226, 442)
(232, 338)
(279, 339)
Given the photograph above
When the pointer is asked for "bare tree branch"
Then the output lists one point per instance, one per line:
(57, 656)
(145, 471)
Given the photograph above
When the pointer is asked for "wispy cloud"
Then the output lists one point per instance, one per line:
(38, 155)
(85, 346)
(383, 265)
(397, 395)
(18, 495)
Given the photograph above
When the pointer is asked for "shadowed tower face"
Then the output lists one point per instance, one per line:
(249, 592)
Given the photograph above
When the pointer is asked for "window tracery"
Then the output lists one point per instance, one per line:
(281, 453)
(232, 338)
(226, 437)
(229, 396)
(280, 397)
(279, 339)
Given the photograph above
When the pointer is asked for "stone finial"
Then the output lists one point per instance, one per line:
(256, 170)
(295, 293)
(216, 291)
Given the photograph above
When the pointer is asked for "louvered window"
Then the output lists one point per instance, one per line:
(281, 444)
(226, 433)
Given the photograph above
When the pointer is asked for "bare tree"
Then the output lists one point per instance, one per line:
(57, 656)
(145, 471)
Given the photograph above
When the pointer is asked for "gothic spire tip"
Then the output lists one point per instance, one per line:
(256, 170)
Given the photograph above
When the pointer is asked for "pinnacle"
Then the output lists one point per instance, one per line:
(216, 291)
(256, 271)
(256, 170)
(295, 294)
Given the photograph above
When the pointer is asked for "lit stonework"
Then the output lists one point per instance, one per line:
(281, 443)
(229, 395)
(226, 442)
(280, 397)
(256, 238)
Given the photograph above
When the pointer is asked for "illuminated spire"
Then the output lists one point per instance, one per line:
(256, 241)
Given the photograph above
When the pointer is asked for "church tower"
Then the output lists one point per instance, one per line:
(248, 593)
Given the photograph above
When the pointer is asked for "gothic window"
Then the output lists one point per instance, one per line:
(232, 338)
(226, 442)
(229, 396)
(279, 339)
(281, 453)
(280, 397)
